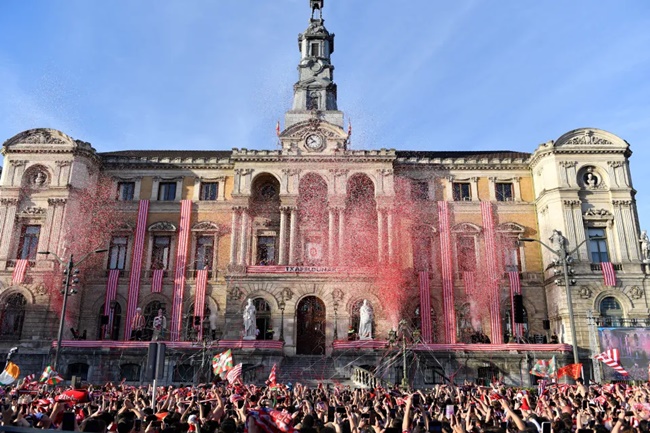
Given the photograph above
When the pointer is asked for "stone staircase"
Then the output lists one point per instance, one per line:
(310, 370)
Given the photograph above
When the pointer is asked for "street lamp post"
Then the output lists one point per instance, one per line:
(282, 307)
(405, 379)
(70, 278)
(564, 258)
(336, 320)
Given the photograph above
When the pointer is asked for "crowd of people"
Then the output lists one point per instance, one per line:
(224, 408)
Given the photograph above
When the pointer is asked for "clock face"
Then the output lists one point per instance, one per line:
(314, 141)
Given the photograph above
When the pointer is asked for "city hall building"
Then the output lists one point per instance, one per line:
(309, 231)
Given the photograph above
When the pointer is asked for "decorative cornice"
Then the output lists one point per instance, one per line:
(622, 202)
(18, 162)
(57, 201)
(63, 163)
(162, 226)
(599, 213)
(572, 203)
(568, 164)
(9, 201)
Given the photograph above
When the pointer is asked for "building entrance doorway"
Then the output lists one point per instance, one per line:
(310, 318)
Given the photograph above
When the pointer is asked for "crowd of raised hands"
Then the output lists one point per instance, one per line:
(207, 408)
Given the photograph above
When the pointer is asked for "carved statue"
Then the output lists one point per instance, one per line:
(250, 327)
(558, 239)
(365, 321)
(591, 180)
(39, 178)
(645, 246)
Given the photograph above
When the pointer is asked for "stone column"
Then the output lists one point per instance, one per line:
(282, 245)
(619, 227)
(244, 238)
(330, 238)
(9, 205)
(233, 236)
(380, 235)
(341, 257)
(629, 224)
(292, 236)
(391, 238)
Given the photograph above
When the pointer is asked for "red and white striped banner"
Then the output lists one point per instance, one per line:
(199, 298)
(111, 292)
(492, 272)
(515, 289)
(612, 358)
(136, 266)
(20, 270)
(449, 309)
(272, 345)
(425, 307)
(359, 344)
(179, 273)
(609, 276)
(157, 280)
(470, 285)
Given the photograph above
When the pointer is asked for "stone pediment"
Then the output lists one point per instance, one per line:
(467, 228)
(590, 137)
(162, 226)
(510, 228)
(206, 226)
(47, 137)
(314, 136)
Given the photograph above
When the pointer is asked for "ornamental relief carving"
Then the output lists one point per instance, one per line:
(584, 292)
(235, 294)
(635, 292)
(601, 213)
(162, 226)
(589, 137)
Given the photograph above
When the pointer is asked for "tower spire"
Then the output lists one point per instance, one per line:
(315, 92)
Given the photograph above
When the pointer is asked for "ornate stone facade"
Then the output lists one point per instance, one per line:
(285, 228)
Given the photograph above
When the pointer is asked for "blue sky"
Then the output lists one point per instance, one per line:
(412, 74)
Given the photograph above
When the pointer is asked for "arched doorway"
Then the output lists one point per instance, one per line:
(310, 321)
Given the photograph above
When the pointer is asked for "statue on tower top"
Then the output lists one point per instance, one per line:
(316, 4)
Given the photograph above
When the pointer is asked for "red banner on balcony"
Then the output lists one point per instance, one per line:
(136, 266)
(199, 298)
(493, 276)
(449, 309)
(157, 280)
(20, 270)
(609, 276)
(425, 307)
(111, 292)
(179, 272)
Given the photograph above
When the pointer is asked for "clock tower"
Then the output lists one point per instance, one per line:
(315, 92)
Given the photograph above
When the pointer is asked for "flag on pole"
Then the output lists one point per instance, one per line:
(50, 377)
(234, 374)
(10, 374)
(272, 376)
(277, 129)
(349, 128)
(221, 363)
(552, 367)
(608, 273)
(19, 271)
(612, 358)
(540, 368)
(29, 378)
(571, 370)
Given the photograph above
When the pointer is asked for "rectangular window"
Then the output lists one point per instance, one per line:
(209, 191)
(204, 252)
(420, 191)
(160, 252)
(167, 191)
(314, 49)
(125, 191)
(29, 242)
(462, 191)
(598, 245)
(503, 191)
(117, 252)
(466, 249)
(265, 250)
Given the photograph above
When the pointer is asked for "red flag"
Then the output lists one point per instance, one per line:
(179, 271)
(234, 374)
(608, 273)
(136, 266)
(19, 271)
(199, 302)
(272, 376)
(448, 307)
(572, 370)
(612, 358)
(277, 128)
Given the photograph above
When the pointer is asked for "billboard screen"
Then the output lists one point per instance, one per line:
(633, 345)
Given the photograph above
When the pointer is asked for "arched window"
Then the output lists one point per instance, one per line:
(130, 372)
(151, 311)
(79, 369)
(263, 319)
(103, 333)
(611, 311)
(191, 324)
(13, 317)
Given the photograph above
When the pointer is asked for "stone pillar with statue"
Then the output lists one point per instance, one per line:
(250, 322)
